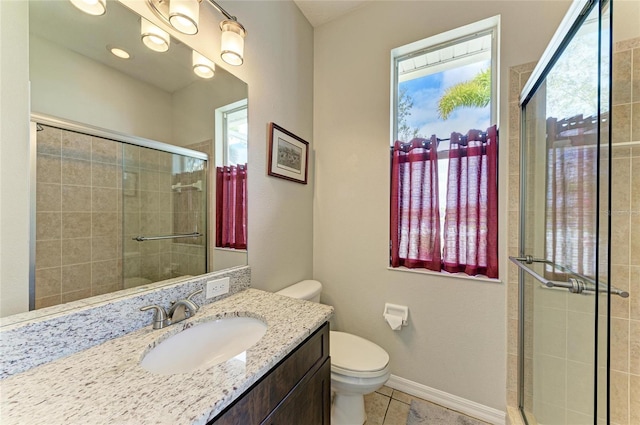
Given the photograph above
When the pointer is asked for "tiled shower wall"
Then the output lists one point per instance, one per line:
(81, 201)
(153, 208)
(148, 211)
(78, 219)
(625, 237)
(625, 234)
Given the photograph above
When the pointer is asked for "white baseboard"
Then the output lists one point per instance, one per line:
(450, 401)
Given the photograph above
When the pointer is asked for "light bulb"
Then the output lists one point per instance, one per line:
(232, 42)
(202, 66)
(153, 37)
(183, 15)
(92, 7)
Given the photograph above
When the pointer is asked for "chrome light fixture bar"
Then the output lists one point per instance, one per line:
(183, 16)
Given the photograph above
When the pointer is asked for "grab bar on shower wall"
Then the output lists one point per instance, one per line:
(574, 285)
(156, 238)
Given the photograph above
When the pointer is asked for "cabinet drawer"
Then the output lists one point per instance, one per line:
(258, 401)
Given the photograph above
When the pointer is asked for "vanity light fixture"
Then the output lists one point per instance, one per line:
(183, 15)
(153, 37)
(92, 7)
(232, 46)
(202, 67)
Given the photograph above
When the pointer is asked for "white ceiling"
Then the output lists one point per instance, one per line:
(319, 12)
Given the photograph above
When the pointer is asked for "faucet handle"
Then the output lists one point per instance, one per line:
(193, 294)
(159, 316)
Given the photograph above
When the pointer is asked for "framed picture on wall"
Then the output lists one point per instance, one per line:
(288, 155)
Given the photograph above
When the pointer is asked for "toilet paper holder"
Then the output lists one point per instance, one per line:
(394, 313)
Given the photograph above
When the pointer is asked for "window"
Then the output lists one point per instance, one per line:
(231, 134)
(444, 163)
(231, 176)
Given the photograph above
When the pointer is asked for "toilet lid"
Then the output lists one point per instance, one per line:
(353, 353)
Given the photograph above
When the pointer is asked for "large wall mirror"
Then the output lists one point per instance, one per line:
(107, 208)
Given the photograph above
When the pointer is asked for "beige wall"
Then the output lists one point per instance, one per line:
(279, 71)
(14, 156)
(68, 85)
(455, 341)
(193, 109)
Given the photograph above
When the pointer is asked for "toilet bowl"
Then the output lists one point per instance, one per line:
(358, 366)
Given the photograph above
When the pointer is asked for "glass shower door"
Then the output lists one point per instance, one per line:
(564, 262)
(164, 213)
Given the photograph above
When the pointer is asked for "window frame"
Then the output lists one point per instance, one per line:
(221, 133)
(468, 32)
(442, 40)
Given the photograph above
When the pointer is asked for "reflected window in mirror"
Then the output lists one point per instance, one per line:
(232, 141)
(231, 176)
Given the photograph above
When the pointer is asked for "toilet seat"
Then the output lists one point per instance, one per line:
(356, 357)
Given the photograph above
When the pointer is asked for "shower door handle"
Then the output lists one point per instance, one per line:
(574, 285)
(578, 286)
(156, 238)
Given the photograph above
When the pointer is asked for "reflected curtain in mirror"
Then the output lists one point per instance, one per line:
(231, 207)
(571, 208)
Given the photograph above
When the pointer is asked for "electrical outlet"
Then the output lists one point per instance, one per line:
(217, 287)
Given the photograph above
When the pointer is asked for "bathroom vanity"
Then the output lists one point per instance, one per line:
(298, 387)
(285, 375)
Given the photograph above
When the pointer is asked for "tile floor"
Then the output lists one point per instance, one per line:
(388, 407)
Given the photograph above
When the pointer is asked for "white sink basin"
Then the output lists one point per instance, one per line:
(204, 345)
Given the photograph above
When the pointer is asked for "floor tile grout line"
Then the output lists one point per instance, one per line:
(384, 418)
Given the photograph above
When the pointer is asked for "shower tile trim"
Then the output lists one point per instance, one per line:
(54, 333)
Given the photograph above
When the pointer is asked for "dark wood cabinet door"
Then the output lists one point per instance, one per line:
(310, 404)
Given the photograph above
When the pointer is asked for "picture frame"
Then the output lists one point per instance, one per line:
(288, 155)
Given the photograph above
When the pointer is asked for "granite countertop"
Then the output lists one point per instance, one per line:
(106, 385)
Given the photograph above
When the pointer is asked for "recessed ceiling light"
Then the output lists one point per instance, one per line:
(119, 52)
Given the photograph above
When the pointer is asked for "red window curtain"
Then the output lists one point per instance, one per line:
(231, 207)
(415, 218)
(471, 218)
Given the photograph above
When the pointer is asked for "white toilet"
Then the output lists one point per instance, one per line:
(358, 366)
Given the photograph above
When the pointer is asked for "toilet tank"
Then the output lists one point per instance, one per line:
(306, 290)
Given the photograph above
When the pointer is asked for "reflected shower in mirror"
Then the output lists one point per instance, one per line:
(114, 215)
(152, 95)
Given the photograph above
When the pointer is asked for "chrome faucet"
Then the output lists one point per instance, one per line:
(183, 309)
(179, 311)
(160, 319)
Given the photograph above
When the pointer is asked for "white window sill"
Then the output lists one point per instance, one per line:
(443, 273)
(232, 250)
